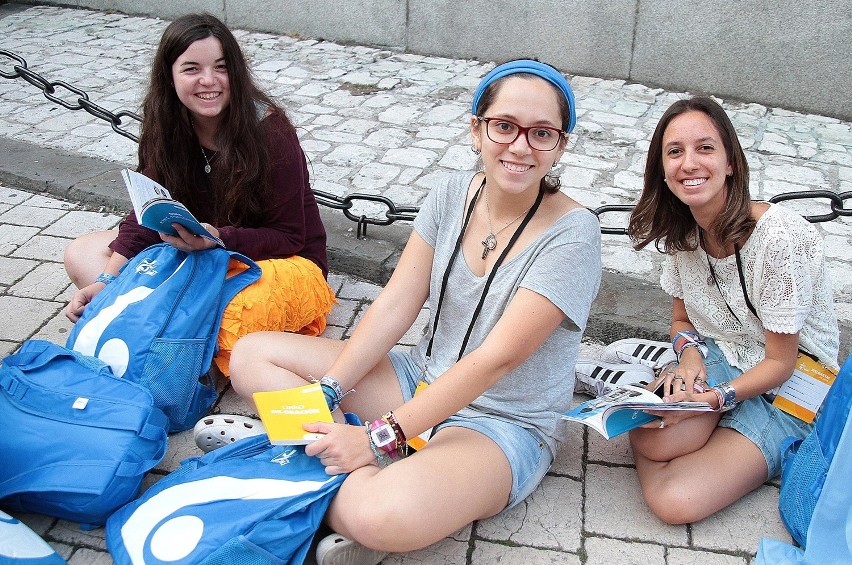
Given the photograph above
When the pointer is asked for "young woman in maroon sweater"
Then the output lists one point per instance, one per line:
(225, 150)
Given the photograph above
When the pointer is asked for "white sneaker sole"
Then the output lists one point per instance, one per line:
(335, 549)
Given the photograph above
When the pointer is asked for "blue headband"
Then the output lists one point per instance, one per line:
(529, 66)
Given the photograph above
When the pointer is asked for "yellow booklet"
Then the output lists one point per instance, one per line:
(284, 411)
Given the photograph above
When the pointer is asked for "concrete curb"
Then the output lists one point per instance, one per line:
(625, 306)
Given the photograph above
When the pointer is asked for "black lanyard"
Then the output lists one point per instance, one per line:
(491, 275)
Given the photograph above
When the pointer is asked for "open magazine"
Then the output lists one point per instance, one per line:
(623, 407)
(156, 209)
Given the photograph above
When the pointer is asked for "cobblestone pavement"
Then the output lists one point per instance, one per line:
(378, 122)
(588, 509)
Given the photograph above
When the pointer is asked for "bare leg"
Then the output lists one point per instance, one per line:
(694, 485)
(265, 361)
(86, 256)
(459, 477)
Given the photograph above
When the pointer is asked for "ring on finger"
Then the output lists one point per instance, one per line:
(662, 424)
(677, 378)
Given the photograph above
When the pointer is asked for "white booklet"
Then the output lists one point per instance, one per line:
(156, 209)
(623, 407)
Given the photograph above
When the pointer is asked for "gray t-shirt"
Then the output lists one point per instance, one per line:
(563, 264)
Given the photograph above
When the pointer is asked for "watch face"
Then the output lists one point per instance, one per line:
(383, 435)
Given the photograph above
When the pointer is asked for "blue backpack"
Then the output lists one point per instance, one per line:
(158, 322)
(19, 545)
(76, 440)
(248, 502)
(815, 486)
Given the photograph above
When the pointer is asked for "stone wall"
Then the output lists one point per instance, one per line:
(793, 55)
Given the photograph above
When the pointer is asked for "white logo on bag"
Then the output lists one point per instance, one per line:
(115, 352)
(176, 538)
(284, 458)
(147, 267)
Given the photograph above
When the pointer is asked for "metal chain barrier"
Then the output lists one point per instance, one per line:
(346, 203)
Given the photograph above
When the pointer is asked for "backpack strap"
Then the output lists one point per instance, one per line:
(235, 283)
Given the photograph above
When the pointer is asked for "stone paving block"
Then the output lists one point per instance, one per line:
(359, 289)
(448, 551)
(615, 451)
(86, 556)
(28, 315)
(25, 215)
(486, 552)
(13, 237)
(569, 457)
(614, 507)
(13, 196)
(181, 446)
(56, 330)
(417, 330)
(45, 282)
(603, 551)
(740, 526)
(690, 557)
(343, 312)
(334, 332)
(8, 347)
(70, 533)
(12, 270)
(80, 222)
(41, 201)
(551, 517)
(44, 247)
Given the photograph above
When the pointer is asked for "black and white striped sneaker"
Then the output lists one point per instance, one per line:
(654, 354)
(592, 376)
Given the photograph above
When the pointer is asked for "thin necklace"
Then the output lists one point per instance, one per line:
(207, 167)
(490, 241)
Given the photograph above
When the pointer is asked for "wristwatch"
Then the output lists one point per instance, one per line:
(383, 437)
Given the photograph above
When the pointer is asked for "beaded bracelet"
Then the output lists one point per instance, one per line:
(688, 335)
(105, 278)
(332, 390)
(401, 440)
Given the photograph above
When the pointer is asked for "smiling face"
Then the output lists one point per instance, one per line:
(515, 167)
(695, 163)
(201, 81)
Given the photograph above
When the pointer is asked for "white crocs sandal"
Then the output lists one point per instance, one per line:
(212, 432)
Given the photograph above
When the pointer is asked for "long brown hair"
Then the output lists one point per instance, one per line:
(170, 148)
(659, 216)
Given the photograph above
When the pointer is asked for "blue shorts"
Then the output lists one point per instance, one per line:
(528, 454)
(763, 424)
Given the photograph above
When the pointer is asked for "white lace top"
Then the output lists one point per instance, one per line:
(786, 281)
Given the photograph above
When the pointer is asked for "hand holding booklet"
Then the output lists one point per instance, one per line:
(156, 209)
(623, 407)
(283, 412)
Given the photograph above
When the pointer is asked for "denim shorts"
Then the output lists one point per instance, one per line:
(763, 424)
(528, 454)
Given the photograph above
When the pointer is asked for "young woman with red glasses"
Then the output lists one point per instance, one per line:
(508, 266)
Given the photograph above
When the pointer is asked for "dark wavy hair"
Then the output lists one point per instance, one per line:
(659, 216)
(170, 148)
(549, 184)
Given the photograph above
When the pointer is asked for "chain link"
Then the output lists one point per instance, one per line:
(345, 204)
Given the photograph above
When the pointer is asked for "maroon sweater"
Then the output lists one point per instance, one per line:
(292, 225)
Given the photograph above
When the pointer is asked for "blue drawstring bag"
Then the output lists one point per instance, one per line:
(249, 502)
(157, 324)
(76, 439)
(815, 500)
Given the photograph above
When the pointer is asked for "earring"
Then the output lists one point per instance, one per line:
(476, 150)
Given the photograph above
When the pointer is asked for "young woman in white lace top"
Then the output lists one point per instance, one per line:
(749, 289)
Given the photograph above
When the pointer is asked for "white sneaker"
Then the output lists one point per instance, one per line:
(592, 376)
(654, 354)
(335, 549)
